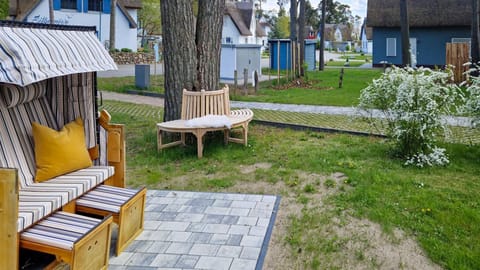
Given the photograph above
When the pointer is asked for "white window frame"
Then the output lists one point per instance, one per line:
(391, 48)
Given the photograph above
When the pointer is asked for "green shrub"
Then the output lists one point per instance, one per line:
(126, 50)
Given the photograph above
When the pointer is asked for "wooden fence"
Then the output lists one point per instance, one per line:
(457, 56)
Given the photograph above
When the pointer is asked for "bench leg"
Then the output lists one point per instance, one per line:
(199, 133)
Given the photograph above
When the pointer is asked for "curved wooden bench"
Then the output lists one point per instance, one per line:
(199, 104)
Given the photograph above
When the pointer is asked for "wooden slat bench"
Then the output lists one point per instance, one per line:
(200, 104)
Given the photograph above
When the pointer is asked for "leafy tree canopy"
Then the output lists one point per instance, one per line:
(337, 12)
(3, 9)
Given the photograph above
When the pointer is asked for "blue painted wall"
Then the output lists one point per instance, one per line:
(431, 44)
(285, 53)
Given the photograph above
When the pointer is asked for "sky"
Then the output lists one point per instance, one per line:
(358, 7)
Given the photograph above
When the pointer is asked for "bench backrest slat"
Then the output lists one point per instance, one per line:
(198, 104)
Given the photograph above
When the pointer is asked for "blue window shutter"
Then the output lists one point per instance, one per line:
(85, 6)
(56, 4)
(79, 5)
(106, 6)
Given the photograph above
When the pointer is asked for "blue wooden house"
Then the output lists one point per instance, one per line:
(433, 24)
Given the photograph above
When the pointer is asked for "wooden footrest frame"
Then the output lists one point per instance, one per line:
(82, 242)
(125, 205)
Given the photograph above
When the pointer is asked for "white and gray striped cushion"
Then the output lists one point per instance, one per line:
(107, 198)
(57, 192)
(60, 230)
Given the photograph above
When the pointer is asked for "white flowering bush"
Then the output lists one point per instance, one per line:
(412, 101)
(472, 104)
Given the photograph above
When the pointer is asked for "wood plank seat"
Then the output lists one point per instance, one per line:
(196, 105)
(125, 205)
(82, 242)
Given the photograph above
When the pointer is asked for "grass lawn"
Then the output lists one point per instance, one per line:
(123, 84)
(325, 180)
(323, 90)
(353, 63)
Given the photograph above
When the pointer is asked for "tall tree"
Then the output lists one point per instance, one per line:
(404, 28)
(321, 65)
(192, 54)
(336, 12)
(113, 15)
(311, 15)
(301, 36)
(50, 12)
(293, 20)
(474, 47)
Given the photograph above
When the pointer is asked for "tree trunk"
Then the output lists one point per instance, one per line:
(178, 25)
(474, 47)
(404, 26)
(50, 12)
(113, 12)
(321, 65)
(293, 20)
(301, 36)
(208, 42)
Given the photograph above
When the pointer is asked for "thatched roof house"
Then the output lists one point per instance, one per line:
(78, 13)
(422, 13)
(433, 24)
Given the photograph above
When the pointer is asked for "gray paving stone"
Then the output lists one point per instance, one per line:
(122, 259)
(243, 204)
(230, 220)
(217, 210)
(117, 267)
(139, 246)
(213, 219)
(242, 212)
(252, 241)
(243, 264)
(213, 263)
(174, 226)
(187, 261)
(229, 251)
(263, 222)
(196, 227)
(251, 221)
(141, 259)
(239, 229)
(251, 253)
(192, 209)
(216, 228)
(222, 203)
(234, 240)
(162, 200)
(253, 197)
(151, 224)
(165, 260)
(178, 236)
(173, 208)
(264, 205)
(204, 249)
(258, 231)
(190, 217)
(219, 239)
(168, 216)
(158, 247)
(200, 238)
(201, 202)
(202, 195)
(153, 235)
(155, 216)
(270, 199)
(179, 248)
(182, 201)
(261, 213)
(155, 207)
(234, 197)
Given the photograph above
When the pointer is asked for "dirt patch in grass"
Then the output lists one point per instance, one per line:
(246, 169)
(344, 242)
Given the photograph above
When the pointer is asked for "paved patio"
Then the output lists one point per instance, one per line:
(197, 230)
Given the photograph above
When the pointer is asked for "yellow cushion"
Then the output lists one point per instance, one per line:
(59, 152)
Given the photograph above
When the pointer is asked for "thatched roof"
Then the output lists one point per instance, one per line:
(259, 30)
(241, 14)
(330, 30)
(422, 13)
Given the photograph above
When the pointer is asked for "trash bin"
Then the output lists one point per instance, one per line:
(142, 76)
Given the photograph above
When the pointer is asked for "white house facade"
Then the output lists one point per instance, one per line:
(240, 25)
(88, 13)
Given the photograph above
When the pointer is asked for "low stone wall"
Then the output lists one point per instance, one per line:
(127, 58)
